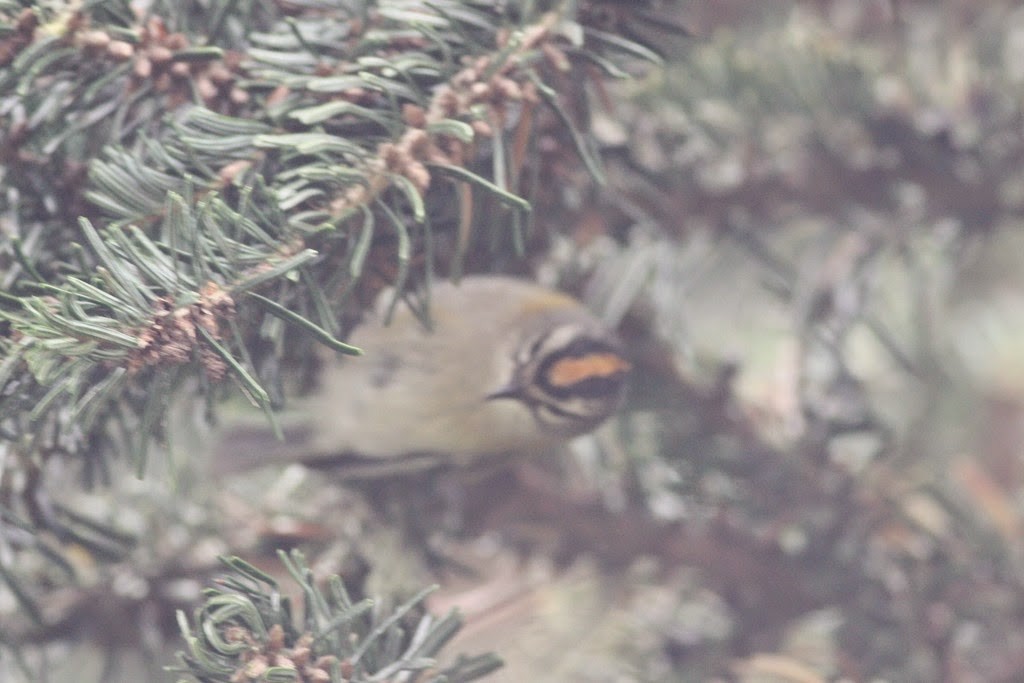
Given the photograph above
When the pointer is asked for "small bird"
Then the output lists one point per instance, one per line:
(504, 367)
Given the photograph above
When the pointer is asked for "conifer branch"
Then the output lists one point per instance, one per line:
(247, 630)
(178, 184)
(225, 172)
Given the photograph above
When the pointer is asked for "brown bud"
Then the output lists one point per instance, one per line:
(206, 89)
(120, 50)
(255, 669)
(391, 155)
(143, 68)
(529, 93)
(355, 95)
(355, 195)
(163, 82)
(180, 70)
(480, 90)
(158, 54)
(284, 662)
(213, 365)
(176, 41)
(155, 29)
(278, 95)
(219, 73)
(447, 101)
(556, 57)
(318, 676)
(482, 128)
(417, 142)
(301, 655)
(418, 174)
(533, 34)
(414, 115)
(27, 21)
(95, 39)
(508, 88)
(465, 78)
(229, 172)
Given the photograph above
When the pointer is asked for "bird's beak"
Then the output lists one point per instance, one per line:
(511, 391)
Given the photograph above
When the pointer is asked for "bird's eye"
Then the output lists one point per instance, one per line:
(570, 379)
(586, 368)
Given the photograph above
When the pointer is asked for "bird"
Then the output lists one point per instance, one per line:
(500, 366)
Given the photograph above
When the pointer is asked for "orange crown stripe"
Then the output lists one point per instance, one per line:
(569, 371)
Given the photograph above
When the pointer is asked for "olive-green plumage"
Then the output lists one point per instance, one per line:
(506, 367)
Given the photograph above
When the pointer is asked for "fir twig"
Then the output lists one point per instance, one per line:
(246, 631)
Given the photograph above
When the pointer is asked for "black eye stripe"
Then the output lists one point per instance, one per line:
(580, 347)
(570, 378)
(556, 409)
